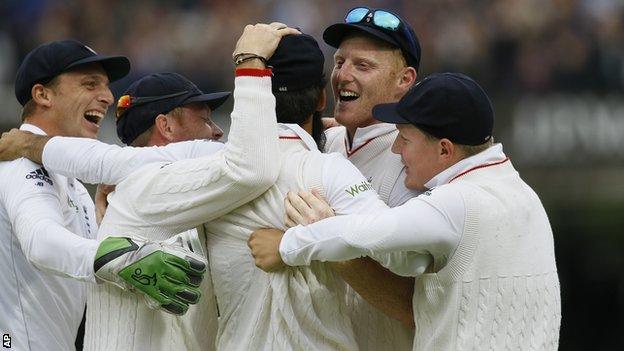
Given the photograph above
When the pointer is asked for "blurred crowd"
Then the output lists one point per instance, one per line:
(513, 46)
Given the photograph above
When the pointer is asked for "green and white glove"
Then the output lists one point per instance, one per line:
(168, 272)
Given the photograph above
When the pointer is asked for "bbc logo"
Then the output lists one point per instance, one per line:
(6, 341)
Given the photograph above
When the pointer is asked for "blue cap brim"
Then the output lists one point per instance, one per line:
(388, 113)
(116, 67)
(213, 100)
(334, 34)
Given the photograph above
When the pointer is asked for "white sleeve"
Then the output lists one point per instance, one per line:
(34, 212)
(95, 162)
(184, 194)
(346, 189)
(349, 192)
(427, 224)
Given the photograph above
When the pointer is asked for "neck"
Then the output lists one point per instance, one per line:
(44, 124)
(352, 129)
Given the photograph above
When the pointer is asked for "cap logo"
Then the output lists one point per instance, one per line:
(282, 89)
(88, 48)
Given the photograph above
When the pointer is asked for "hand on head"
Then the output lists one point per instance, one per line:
(262, 39)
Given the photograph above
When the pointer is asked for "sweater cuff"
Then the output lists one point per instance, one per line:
(254, 72)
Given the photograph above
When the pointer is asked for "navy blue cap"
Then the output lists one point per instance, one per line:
(403, 38)
(297, 63)
(156, 94)
(49, 60)
(445, 105)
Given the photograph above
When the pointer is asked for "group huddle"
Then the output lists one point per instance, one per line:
(397, 225)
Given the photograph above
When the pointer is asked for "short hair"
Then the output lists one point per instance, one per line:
(467, 150)
(30, 106)
(471, 150)
(143, 138)
(298, 106)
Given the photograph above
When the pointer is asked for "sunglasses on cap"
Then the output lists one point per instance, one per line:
(126, 102)
(381, 19)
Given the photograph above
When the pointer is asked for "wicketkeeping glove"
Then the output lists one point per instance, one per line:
(167, 272)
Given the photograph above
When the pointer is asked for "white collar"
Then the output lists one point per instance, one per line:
(32, 128)
(292, 130)
(492, 155)
(364, 134)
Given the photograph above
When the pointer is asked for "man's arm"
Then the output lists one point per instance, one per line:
(93, 161)
(184, 194)
(33, 208)
(390, 293)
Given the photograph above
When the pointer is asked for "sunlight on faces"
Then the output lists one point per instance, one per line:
(366, 72)
(422, 156)
(193, 122)
(79, 100)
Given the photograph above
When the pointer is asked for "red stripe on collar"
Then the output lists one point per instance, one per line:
(349, 153)
(478, 167)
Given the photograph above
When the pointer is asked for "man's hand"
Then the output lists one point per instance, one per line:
(101, 201)
(19, 143)
(262, 39)
(264, 245)
(168, 273)
(305, 208)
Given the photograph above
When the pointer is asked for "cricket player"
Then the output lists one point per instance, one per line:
(47, 221)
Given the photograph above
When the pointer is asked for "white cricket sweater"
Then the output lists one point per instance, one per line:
(495, 285)
(370, 153)
(47, 246)
(162, 199)
(500, 289)
(300, 308)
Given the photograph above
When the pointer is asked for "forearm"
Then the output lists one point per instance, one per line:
(54, 249)
(98, 163)
(390, 293)
(33, 146)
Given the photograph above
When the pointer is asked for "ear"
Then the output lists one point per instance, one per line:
(407, 79)
(164, 127)
(322, 103)
(41, 95)
(448, 150)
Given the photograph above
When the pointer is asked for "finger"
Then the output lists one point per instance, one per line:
(188, 263)
(289, 223)
(317, 194)
(288, 31)
(175, 307)
(278, 25)
(312, 200)
(178, 290)
(294, 214)
(298, 203)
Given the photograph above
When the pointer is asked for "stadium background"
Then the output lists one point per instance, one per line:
(554, 69)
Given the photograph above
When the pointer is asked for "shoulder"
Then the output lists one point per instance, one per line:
(23, 174)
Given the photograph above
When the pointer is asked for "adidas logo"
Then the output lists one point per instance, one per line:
(40, 174)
